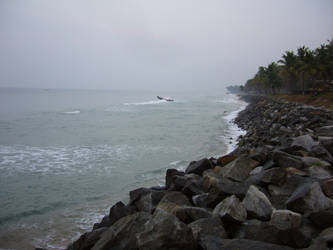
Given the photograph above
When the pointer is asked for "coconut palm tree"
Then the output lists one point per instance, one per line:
(305, 65)
(273, 77)
(289, 70)
(324, 61)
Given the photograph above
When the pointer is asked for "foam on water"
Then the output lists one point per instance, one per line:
(234, 131)
(69, 159)
(74, 112)
(147, 103)
(59, 160)
(179, 165)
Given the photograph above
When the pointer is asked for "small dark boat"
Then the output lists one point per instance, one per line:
(168, 99)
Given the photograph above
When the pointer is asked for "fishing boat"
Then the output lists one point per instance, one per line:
(168, 99)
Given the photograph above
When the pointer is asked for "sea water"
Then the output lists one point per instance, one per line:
(66, 156)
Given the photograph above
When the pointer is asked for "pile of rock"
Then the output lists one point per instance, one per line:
(273, 192)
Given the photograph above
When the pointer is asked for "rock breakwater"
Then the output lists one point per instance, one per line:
(274, 191)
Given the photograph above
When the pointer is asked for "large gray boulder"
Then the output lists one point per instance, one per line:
(240, 244)
(170, 173)
(257, 170)
(225, 160)
(286, 219)
(197, 167)
(190, 214)
(327, 236)
(218, 189)
(117, 211)
(209, 233)
(105, 222)
(327, 187)
(225, 187)
(324, 241)
(304, 142)
(205, 200)
(176, 198)
(120, 210)
(321, 152)
(325, 131)
(265, 231)
(327, 143)
(121, 235)
(87, 240)
(193, 188)
(299, 237)
(173, 200)
(285, 160)
(280, 194)
(317, 172)
(239, 169)
(210, 178)
(322, 219)
(257, 204)
(277, 176)
(257, 230)
(145, 199)
(179, 182)
(231, 210)
(308, 198)
(137, 193)
(165, 231)
(313, 161)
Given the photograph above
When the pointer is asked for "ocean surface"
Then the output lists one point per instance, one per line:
(66, 156)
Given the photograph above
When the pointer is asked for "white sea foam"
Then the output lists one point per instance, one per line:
(179, 165)
(147, 103)
(234, 130)
(174, 163)
(74, 112)
(70, 159)
(60, 160)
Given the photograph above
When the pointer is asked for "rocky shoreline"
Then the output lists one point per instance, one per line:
(274, 191)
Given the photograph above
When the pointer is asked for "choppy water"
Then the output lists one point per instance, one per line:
(67, 155)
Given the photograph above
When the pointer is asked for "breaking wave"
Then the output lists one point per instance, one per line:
(146, 103)
(74, 112)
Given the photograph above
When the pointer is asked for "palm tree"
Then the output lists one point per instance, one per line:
(273, 77)
(305, 65)
(324, 61)
(262, 79)
(288, 69)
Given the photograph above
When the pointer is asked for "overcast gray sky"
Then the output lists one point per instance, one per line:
(152, 44)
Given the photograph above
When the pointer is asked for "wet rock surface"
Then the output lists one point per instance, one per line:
(231, 210)
(274, 191)
(209, 233)
(257, 204)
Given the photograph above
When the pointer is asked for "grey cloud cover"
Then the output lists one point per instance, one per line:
(151, 44)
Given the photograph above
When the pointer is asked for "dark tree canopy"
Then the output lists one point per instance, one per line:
(300, 72)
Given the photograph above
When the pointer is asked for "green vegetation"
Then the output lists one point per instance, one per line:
(306, 71)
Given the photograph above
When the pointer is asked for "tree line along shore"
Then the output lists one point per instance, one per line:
(306, 72)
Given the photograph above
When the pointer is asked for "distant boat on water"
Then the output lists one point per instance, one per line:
(168, 99)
